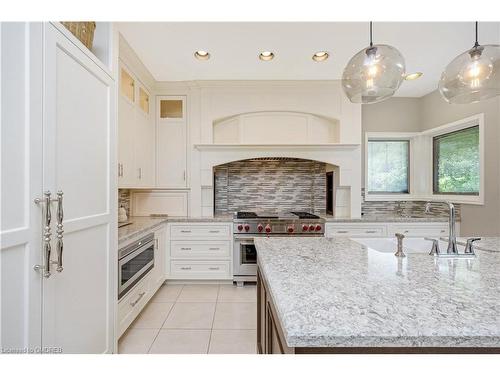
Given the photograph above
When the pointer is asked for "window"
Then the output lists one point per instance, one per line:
(388, 166)
(456, 166)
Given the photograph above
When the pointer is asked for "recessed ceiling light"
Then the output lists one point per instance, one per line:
(202, 55)
(320, 56)
(266, 56)
(413, 76)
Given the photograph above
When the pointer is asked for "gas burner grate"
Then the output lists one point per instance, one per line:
(304, 215)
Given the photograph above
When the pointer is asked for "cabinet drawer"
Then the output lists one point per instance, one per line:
(200, 269)
(200, 249)
(132, 303)
(200, 231)
(434, 230)
(356, 231)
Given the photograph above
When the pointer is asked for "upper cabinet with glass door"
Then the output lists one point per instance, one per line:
(171, 142)
(143, 100)
(172, 108)
(127, 85)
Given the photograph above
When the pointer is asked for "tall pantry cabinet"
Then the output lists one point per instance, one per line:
(58, 185)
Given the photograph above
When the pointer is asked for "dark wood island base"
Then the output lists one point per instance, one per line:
(271, 339)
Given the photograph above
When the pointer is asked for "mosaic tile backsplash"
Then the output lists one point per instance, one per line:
(404, 208)
(286, 185)
(273, 185)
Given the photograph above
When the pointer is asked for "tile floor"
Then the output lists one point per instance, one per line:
(195, 319)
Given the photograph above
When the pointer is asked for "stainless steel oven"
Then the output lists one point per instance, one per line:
(244, 257)
(134, 262)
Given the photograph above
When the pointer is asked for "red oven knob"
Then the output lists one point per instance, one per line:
(268, 228)
(240, 227)
(311, 227)
(290, 229)
(260, 227)
(247, 227)
(305, 227)
(318, 228)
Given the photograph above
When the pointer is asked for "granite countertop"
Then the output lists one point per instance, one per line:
(143, 224)
(334, 292)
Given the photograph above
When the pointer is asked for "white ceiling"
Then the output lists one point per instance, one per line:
(166, 48)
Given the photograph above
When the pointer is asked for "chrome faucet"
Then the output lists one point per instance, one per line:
(452, 237)
(400, 253)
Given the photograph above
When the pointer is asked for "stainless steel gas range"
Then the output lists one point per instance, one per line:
(248, 225)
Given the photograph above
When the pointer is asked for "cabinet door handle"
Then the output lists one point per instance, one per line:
(138, 299)
(342, 231)
(140, 173)
(185, 268)
(185, 231)
(371, 231)
(214, 231)
(185, 248)
(184, 175)
(213, 268)
(47, 249)
(214, 248)
(60, 231)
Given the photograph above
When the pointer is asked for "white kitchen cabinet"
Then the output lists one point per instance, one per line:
(60, 131)
(133, 302)
(160, 255)
(355, 230)
(171, 143)
(409, 229)
(420, 229)
(200, 251)
(136, 133)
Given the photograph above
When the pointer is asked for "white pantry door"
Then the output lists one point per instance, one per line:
(21, 182)
(78, 303)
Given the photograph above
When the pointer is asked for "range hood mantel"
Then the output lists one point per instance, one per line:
(317, 147)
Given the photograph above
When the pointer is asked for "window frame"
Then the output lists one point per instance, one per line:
(408, 180)
(390, 136)
(435, 163)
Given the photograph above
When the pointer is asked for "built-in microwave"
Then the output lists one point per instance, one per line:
(134, 262)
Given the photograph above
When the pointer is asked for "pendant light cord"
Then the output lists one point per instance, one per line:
(476, 44)
(371, 34)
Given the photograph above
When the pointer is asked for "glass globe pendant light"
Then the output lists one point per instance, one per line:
(472, 76)
(373, 74)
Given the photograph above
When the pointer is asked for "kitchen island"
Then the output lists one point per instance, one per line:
(332, 295)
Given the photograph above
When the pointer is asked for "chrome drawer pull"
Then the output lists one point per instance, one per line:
(138, 299)
(214, 231)
(371, 231)
(185, 268)
(214, 248)
(213, 268)
(185, 231)
(342, 231)
(185, 248)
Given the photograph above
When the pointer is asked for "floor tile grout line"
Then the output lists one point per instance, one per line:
(213, 320)
(152, 342)
(159, 330)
